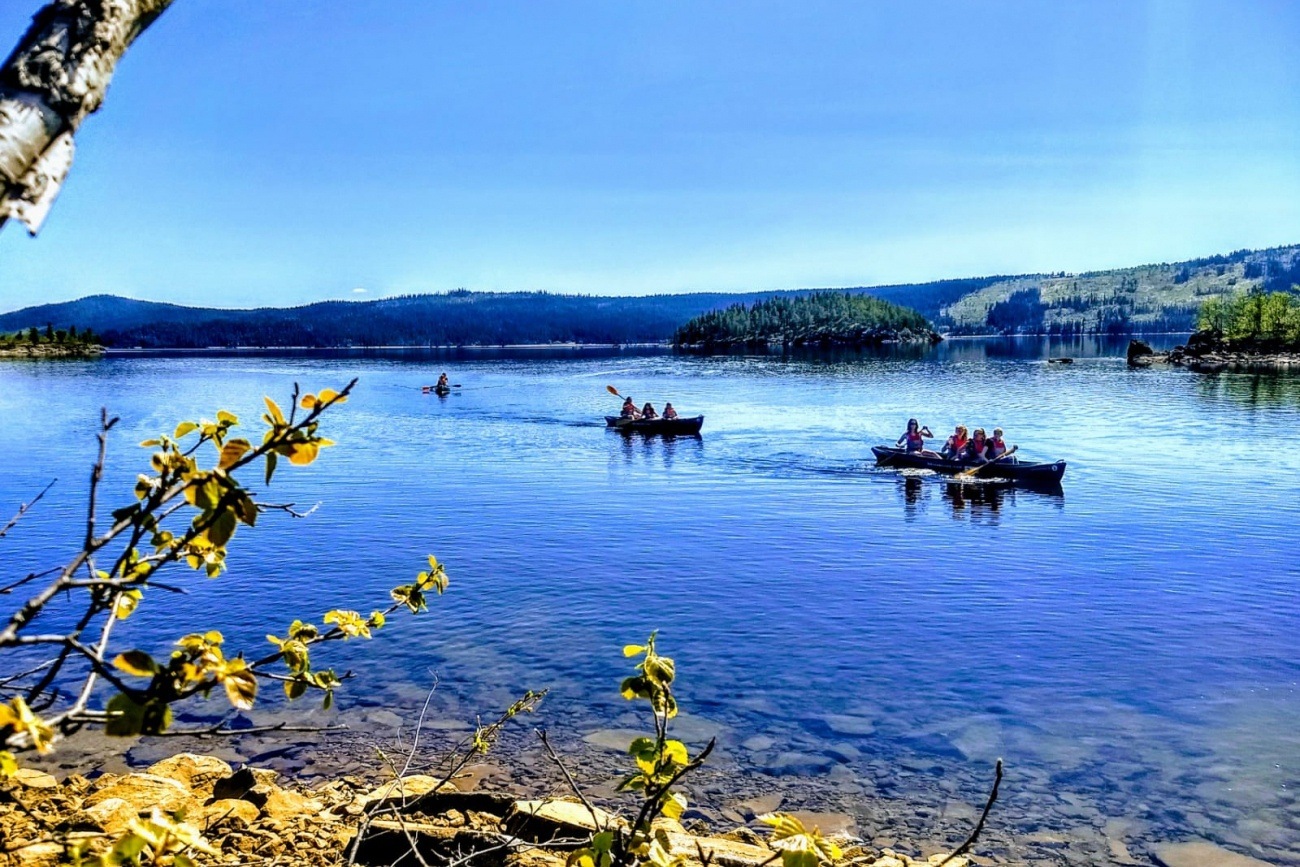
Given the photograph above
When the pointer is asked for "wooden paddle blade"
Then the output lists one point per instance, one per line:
(612, 390)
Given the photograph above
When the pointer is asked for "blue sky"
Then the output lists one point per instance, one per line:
(278, 153)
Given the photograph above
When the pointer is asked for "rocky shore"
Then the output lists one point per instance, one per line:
(251, 816)
(256, 816)
(52, 350)
(1207, 353)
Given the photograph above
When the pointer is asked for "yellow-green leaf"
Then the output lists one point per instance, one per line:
(241, 688)
(136, 663)
(126, 603)
(184, 428)
(274, 409)
(633, 649)
(232, 451)
(8, 764)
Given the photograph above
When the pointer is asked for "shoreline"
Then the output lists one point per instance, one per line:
(1205, 354)
(52, 350)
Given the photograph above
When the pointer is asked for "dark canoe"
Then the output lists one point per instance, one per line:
(442, 392)
(669, 426)
(1019, 472)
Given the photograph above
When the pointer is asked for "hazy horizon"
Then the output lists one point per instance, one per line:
(252, 155)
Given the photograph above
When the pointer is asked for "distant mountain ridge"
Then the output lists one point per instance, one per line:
(1147, 298)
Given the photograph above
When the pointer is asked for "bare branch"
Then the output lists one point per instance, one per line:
(979, 826)
(568, 777)
(23, 508)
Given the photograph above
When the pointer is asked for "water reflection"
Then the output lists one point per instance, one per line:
(979, 502)
(1255, 390)
(663, 449)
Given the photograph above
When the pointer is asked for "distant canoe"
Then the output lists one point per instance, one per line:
(1019, 472)
(669, 426)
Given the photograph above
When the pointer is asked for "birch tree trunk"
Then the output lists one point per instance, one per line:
(58, 74)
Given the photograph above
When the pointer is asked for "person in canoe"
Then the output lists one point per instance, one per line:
(996, 448)
(648, 412)
(630, 410)
(913, 441)
(977, 448)
(669, 412)
(955, 447)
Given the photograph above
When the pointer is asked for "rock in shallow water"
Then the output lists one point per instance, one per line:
(799, 763)
(845, 724)
(1202, 853)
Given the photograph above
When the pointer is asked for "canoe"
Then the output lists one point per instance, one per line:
(442, 392)
(1008, 468)
(669, 426)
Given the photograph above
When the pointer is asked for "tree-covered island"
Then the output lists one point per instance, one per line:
(50, 343)
(819, 319)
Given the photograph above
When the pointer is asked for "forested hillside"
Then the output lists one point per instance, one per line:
(1148, 298)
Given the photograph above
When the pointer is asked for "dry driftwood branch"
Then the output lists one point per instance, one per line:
(57, 75)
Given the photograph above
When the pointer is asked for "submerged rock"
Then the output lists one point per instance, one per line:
(1202, 853)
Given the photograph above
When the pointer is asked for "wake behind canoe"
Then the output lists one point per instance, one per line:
(669, 426)
(1028, 474)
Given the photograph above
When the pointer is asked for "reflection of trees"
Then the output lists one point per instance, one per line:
(1251, 389)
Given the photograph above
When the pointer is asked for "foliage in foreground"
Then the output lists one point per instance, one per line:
(661, 762)
(1267, 320)
(107, 580)
(836, 317)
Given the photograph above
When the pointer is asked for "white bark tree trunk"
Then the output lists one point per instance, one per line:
(54, 79)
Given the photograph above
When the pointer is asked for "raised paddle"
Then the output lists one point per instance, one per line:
(622, 421)
(970, 474)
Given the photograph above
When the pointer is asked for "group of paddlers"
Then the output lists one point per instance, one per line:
(645, 413)
(962, 446)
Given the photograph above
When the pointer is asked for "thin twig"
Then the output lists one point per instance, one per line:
(546, 744)
(23, 508)
(979, 826)
(221, 730)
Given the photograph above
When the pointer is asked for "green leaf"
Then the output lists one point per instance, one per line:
(136, 663)
(271, 459)
(232, 451)
(675, 751)
(126, 718)
(295, 688)
(222, 529)
(126, 603)
(184, 428)
(228, 417)
(674, 805)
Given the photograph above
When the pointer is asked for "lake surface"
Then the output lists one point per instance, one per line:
(1130, 646)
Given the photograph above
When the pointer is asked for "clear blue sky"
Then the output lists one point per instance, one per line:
(256, 152)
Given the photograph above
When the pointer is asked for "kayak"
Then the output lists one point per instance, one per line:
(442, 392)
(670, 426)
(1008, 468)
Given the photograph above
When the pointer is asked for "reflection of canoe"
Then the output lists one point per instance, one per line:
(1027, 474)
(670, 426)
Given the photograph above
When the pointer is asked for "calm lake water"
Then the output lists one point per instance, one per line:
(1131, 647)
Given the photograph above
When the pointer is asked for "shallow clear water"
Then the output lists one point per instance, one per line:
(1133, 642)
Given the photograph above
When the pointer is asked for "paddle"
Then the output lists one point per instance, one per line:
(970, 474)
